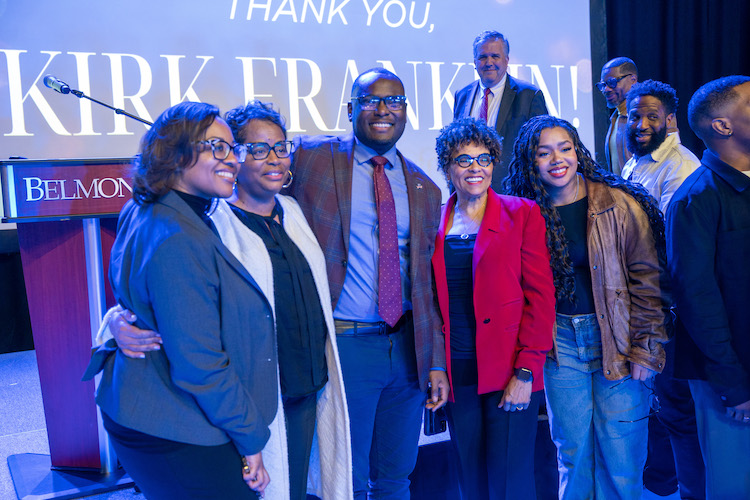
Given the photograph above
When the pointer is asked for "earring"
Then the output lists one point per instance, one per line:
(289, 182)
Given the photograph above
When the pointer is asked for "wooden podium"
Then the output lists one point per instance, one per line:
(66, 212)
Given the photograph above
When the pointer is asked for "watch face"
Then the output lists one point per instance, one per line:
(524, 375)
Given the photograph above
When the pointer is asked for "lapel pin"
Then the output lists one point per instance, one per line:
(419, 185)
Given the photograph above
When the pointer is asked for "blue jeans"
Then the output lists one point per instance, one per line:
(385, 411)
(600, 451)
(725, 444)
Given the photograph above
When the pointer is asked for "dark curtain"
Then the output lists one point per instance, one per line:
(15, 325)
(684, 43)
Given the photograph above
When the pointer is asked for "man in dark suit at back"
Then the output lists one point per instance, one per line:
(498, 98)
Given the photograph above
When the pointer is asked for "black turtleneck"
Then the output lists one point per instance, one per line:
(201, 206)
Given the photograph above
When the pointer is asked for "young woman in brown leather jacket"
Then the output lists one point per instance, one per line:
(606, 242)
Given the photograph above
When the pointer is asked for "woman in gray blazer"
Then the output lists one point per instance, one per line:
(188, 420)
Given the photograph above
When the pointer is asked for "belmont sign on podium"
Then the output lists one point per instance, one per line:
(66, 212)
(35, 190)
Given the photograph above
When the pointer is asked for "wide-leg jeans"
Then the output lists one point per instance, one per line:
(594, 422)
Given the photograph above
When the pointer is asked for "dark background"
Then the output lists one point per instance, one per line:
(684, 43)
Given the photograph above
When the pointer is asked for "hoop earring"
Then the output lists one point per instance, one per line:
(288, 183)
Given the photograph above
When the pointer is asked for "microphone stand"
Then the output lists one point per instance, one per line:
(117, 111)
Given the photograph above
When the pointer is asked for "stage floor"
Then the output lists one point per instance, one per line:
(22, 426)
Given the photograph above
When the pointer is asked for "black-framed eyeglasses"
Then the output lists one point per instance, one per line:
(261, 150)
(653, 401)
(610, 82)
(465, 161)
(371, 102)
(222, 148)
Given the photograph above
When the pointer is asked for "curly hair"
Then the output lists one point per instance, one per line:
(168, 149)
(662, 91)
(460, 133)
(524, 180)
(237, 118)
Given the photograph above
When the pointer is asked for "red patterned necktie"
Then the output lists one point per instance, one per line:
(389, 266)
(485, 105)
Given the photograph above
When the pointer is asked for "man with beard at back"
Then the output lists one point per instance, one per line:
(661, 163)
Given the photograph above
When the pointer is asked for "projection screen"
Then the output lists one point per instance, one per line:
(302, 55)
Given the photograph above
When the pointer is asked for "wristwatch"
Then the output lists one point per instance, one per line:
(524, 375)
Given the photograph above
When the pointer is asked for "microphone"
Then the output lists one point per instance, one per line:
(56, 85)
(63, 88)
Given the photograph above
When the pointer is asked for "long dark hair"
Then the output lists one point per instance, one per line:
(168, 149)
(524, 180)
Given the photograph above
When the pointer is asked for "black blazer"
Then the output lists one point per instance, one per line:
(214, 380)
(520, 102)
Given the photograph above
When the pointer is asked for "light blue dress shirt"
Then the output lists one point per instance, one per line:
(359, 297)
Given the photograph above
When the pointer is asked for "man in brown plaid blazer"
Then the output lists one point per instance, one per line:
(386, 369)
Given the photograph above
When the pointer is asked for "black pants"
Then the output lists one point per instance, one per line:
(167, 470)
(495, 448)
(300, 413)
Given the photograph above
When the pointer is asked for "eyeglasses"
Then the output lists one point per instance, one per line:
(610, 82)
(222, 148)
(653, 401)
(465, 161)
(371, 102)
(261, 150)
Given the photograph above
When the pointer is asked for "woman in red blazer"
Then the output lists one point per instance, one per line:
(497, 299)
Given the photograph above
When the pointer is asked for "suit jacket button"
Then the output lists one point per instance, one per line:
(487, 320)
(343, 263)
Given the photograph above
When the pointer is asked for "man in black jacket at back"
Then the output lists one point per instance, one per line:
(708, 244)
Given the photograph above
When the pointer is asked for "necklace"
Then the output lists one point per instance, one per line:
(578, 184)
(467, 229)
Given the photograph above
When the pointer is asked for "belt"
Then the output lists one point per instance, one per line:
(344, 327)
